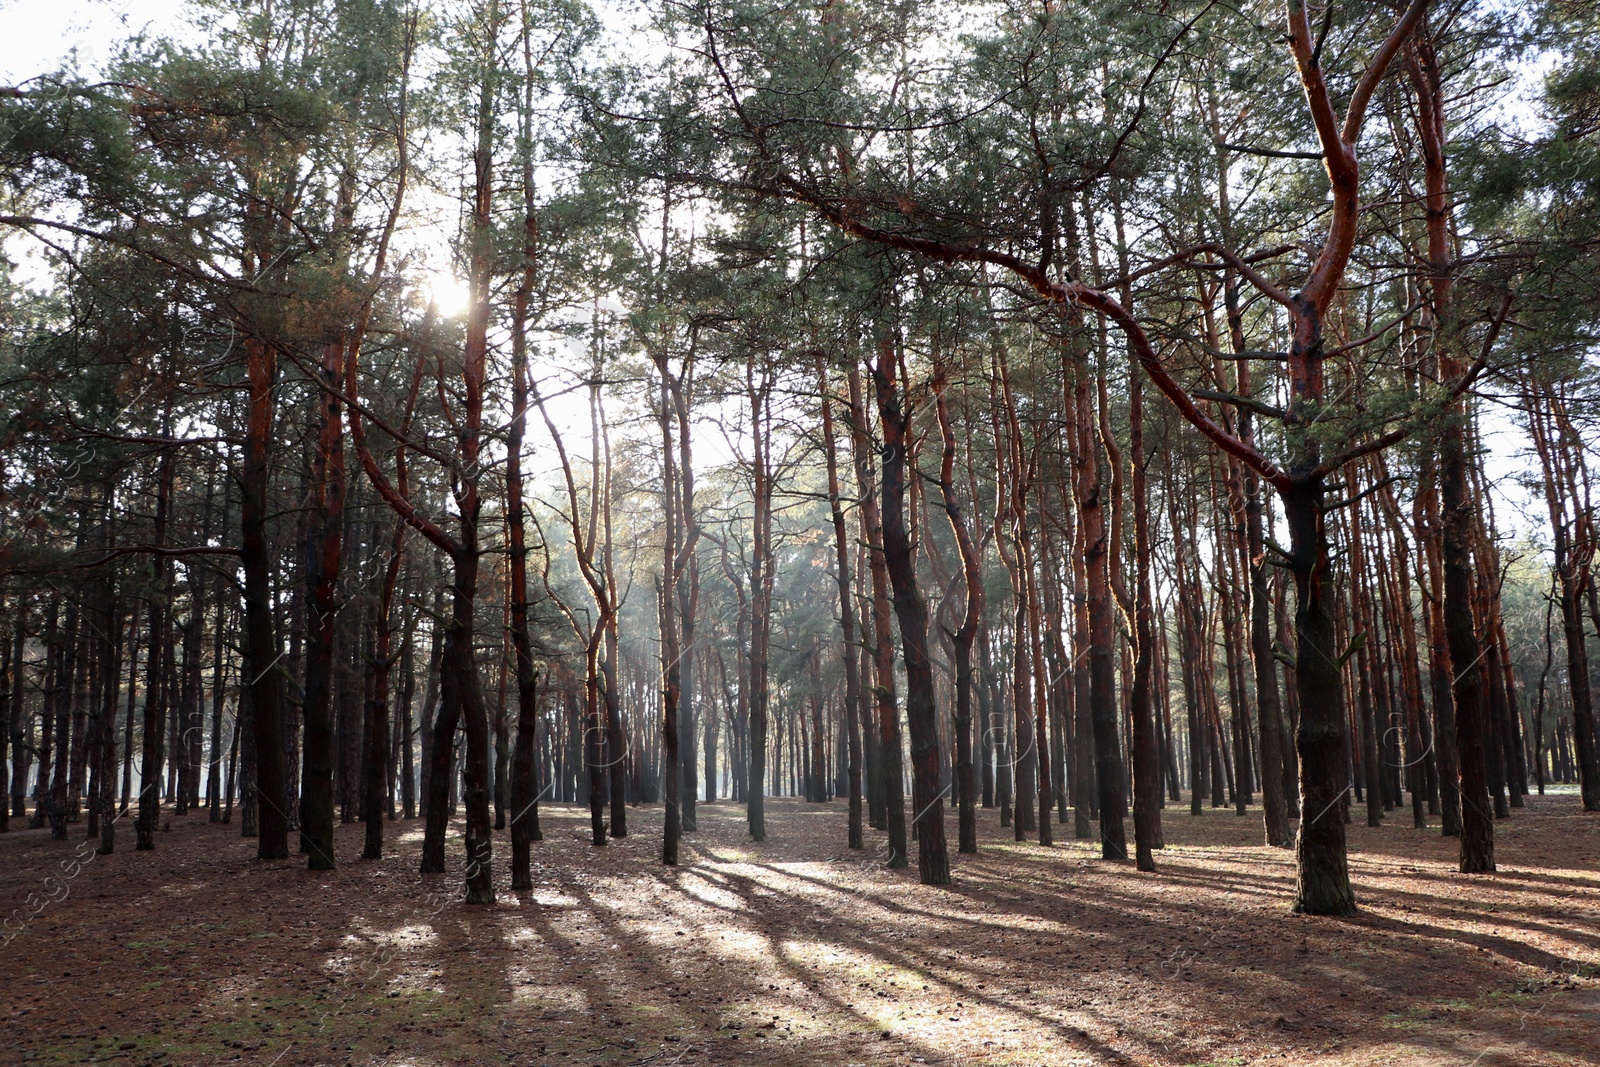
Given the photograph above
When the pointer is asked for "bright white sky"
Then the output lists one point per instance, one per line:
(37, 35)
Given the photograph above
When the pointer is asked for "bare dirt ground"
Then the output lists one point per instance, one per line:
(798, 951)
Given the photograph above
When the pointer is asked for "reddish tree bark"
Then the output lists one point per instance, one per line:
(1477, 824)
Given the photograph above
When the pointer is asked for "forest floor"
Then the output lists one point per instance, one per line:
(798, 951)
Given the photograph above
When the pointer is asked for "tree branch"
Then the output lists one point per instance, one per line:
(1356, 113)
(1462, 384)
(1271, 153)
(1239, 401)
(157, 550)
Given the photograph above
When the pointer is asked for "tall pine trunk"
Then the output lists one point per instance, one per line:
(933, 861)
(848, 649)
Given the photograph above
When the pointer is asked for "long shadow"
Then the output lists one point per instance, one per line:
(800, 973)
(1370, 925)
(859, 939)
(1502, 915)
(1178, 932)
(1058, 948)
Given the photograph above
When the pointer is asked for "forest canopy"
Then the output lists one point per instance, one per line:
(1037, 414)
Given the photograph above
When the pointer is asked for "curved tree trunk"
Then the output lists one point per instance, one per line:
(966, 635)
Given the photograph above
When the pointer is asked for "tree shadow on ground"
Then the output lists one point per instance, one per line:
(796, 951)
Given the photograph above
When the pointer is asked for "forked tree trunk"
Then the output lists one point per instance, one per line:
(599, 772)
(1323, 886)
(966, 634)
